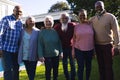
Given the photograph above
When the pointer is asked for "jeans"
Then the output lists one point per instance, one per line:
(84, 57)
(30, 68)
(67, 54)
(10, 66)
(51, 63)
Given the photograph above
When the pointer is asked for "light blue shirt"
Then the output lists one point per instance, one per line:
(26, 42)
(33, 46)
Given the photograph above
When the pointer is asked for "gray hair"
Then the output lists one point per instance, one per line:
(50, 18)
(30, 17)
(66, 14)
(27, 18)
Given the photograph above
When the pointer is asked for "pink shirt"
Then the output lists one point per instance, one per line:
(83, 37)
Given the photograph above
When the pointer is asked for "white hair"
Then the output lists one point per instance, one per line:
(66, 14)
(30, 17)
(50, 18)
(27, 18)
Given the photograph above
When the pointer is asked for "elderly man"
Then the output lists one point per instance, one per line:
(10, 30)
(106, 39)
(65, 31)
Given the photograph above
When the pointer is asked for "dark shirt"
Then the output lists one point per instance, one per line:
(65, 36)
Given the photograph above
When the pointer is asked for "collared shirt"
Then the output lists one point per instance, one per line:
(10, 30)
(106, 29)
(100, 14)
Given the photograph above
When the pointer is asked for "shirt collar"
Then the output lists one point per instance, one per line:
(101, 13)
(13, 16)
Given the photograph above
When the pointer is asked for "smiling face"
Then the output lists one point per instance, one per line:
(83, 15)
(48, 22)
(30, 22)
(64, 18)
(99, 6)
(17, 11)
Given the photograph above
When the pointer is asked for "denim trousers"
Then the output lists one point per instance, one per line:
(51, 64)
(10, 66)
(30, 68)
(84, 58)
(67, 55)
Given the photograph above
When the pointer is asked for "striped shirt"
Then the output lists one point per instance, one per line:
(10, 30)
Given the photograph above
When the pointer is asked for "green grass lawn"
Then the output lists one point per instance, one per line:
(94, 74)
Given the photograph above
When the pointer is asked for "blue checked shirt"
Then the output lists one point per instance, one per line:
(10, 30)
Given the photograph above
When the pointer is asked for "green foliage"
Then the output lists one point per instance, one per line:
(112, 6)
(76, 5)
(59, 6)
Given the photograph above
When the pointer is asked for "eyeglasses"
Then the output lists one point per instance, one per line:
(19, 11)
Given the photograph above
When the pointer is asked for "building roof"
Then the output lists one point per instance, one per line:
(55, 15)
(9, 2)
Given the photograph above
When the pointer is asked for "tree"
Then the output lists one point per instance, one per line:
(76, 5)
(59, 6)
(112, 6)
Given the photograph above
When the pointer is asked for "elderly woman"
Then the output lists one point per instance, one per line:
(49, 48)
(28, 47)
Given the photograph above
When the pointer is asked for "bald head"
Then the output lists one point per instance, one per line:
(17, 11)
(99, 6)
(99, 3)
(17, 7)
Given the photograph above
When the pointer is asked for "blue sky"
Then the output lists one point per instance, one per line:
(34, 7)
